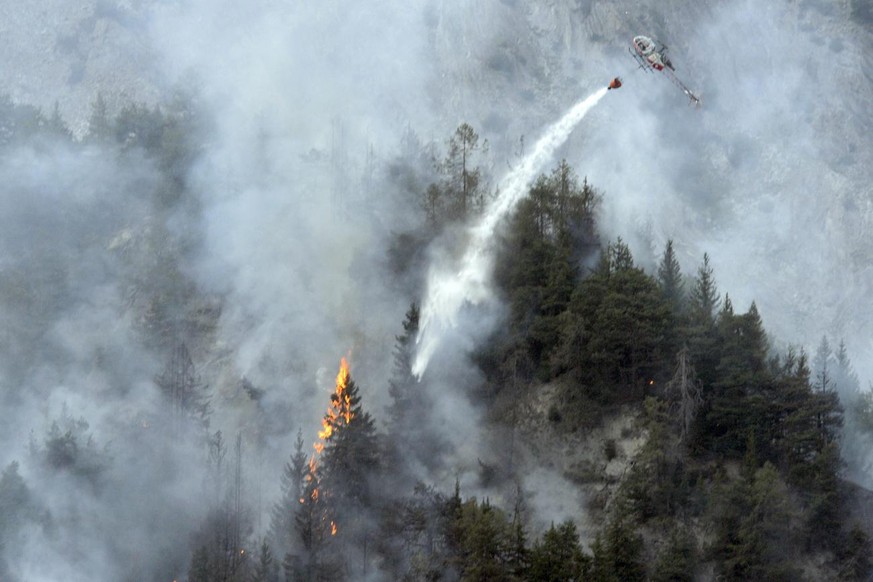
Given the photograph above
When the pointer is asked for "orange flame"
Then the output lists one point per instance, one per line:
(340, 409)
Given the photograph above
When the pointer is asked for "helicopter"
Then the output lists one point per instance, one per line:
(653, 56)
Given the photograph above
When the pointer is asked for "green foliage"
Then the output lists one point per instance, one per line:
(737, 397)
(654, 487)
(755, 528)
(552, 229)
(351, 454)
(282, 517)
(460, 192)
(704, 295)
(558, 556)
(618, 552)
(677, 561)
(613, 329)
(403, 383)
(700, 331)
(484, 536)
(670, 279)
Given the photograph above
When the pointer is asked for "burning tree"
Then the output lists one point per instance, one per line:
(336, 492)
(350, 455)
(314, 529)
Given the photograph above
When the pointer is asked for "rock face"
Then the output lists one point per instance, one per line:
(67, 52)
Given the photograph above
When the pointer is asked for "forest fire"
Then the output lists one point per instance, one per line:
(340, 407)
(340, 410)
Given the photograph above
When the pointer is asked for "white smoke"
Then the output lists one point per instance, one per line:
(449, 289)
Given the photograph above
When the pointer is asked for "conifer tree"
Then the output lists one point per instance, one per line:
(821, 365)
(282, 522)
(99, 124)
(701, 331)
(351, 457)
(676, 562)
(704, 295)
(843, 376)
(462, 177)
(754, 531)
(459, 193)
(182, 387)
(403, 382)
(737, 398)
(349, 467)
(265, 570)
(314, 528)
(670, 279)
(618, 552)
(558, 555)
(484, 540)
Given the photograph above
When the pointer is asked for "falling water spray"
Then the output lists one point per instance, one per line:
(448, 289)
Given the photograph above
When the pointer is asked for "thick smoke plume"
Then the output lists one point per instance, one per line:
(448, 289)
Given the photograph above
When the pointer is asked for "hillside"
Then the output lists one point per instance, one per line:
(664, 372)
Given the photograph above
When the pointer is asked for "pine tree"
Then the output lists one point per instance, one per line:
(184, 390)
(821, 365)
(401, 386)
(676, 563)
(314, 528)
(704, 295)
(754, 519)
(845, 378)
(618, 552)
(282, 525)
(701, 332)
(350, 464)
(558, 556)
(351, 456)
(99, 124)
(673, 289)
(462, 178)
(265, 570)
(484, 540)
(738, 395)
(670, 279)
